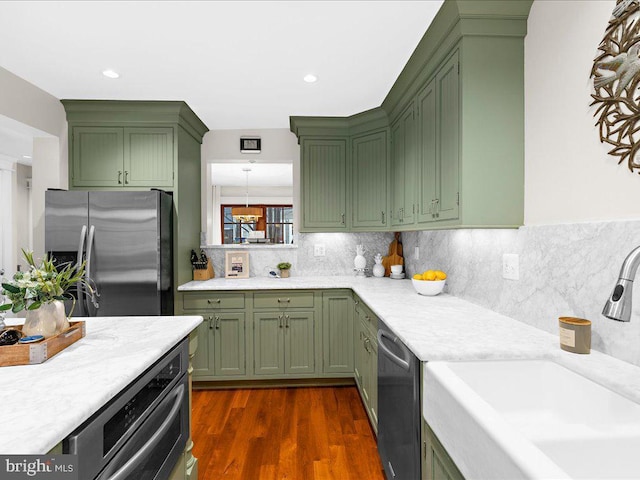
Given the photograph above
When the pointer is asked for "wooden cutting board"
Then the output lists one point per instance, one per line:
(395, 255)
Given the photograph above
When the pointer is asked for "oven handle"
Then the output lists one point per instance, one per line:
(401, 362)
(135, 460)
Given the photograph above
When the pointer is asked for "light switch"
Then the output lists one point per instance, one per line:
(511, 266)
(318, 250)
(416, 253)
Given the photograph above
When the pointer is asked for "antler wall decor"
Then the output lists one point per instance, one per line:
(616, 78)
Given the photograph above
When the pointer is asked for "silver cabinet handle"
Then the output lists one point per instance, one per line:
(217, 322)
(126, 177)
(119, 177)
(288, 318)
(210, 324)
(343, 219)
(284, 300)
(217, 301)
(280, 321)
(143, 453)
(383, 222)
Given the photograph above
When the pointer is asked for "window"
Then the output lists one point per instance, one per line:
(276, 222)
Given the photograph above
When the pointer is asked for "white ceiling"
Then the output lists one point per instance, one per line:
(261, 174)
(238, 64)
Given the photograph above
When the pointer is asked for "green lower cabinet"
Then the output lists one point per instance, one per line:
(337, 333)
(229, 344)
(283, 343)
(366, 361)
(437, 464)
(299, 351)
(203, 361)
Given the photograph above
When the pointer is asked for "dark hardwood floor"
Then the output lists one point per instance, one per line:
(299, 433)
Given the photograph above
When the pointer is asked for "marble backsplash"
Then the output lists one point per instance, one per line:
(565, 270)
(340, 250)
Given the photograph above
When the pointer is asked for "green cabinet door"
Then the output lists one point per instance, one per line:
(448, 139)
(299, 339)
(337, 333)
(268, 343)
(427, 153)
(436, 462)
(369, 173)
(403, 168)
(229, 344)
(148, 157)
(203, 360)
(324, 184)
(97, 157)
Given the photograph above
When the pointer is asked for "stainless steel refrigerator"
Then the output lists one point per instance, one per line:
(125, 240)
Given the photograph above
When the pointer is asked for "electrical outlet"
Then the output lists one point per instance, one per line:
(416, 253)
(318, 250)
(511, 266)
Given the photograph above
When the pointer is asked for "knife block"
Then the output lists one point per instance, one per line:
(204, 273)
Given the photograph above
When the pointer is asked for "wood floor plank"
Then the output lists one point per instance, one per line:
(303, 433)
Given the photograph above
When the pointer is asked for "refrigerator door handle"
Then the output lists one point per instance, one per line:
(87, 271)
(83, 237)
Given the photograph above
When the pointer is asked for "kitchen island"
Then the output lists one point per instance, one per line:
(51, 399)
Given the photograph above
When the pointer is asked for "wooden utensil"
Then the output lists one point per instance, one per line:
(395, 255)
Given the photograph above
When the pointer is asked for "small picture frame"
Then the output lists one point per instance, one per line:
(236, 265)
(250, 145)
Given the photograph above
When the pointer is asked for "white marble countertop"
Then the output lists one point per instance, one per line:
(448, 328)
(48, 401)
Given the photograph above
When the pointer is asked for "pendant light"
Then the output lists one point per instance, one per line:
(246, 214)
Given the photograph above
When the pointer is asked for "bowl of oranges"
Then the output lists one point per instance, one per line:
(429, 283)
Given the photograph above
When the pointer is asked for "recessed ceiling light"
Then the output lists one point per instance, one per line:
(310, 78)
(110, 73)
(27, 157)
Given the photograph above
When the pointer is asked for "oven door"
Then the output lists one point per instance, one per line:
(153, 450)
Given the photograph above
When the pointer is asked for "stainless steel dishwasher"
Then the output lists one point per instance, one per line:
(398, 407)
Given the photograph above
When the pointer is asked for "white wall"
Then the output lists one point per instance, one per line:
(30, 105)
(22, 219)
(279, 145)
(569, 177)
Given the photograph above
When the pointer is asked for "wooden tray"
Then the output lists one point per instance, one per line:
(34, 353)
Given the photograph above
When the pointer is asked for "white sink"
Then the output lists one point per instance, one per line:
(530, 419)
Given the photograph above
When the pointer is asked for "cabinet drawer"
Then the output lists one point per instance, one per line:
(283, 300)
(211, 300)
(367, 316)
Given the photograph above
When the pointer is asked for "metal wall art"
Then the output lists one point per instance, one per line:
(616, 78)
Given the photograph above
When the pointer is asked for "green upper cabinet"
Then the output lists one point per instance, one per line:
(455, 120)
(148, 157)
(98, 156)
(369, 185)
(439, 145)
(344, 164)
(324, 184)
(403, 165)
(122, 157)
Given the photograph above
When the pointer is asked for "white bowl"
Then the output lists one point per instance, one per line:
(428, 287)
(397, 269)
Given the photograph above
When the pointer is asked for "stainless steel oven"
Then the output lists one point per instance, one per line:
(140, 434)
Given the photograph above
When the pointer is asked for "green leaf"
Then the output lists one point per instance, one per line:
(17, 307)
(10, 288)
(34, 306)
(5, 306)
